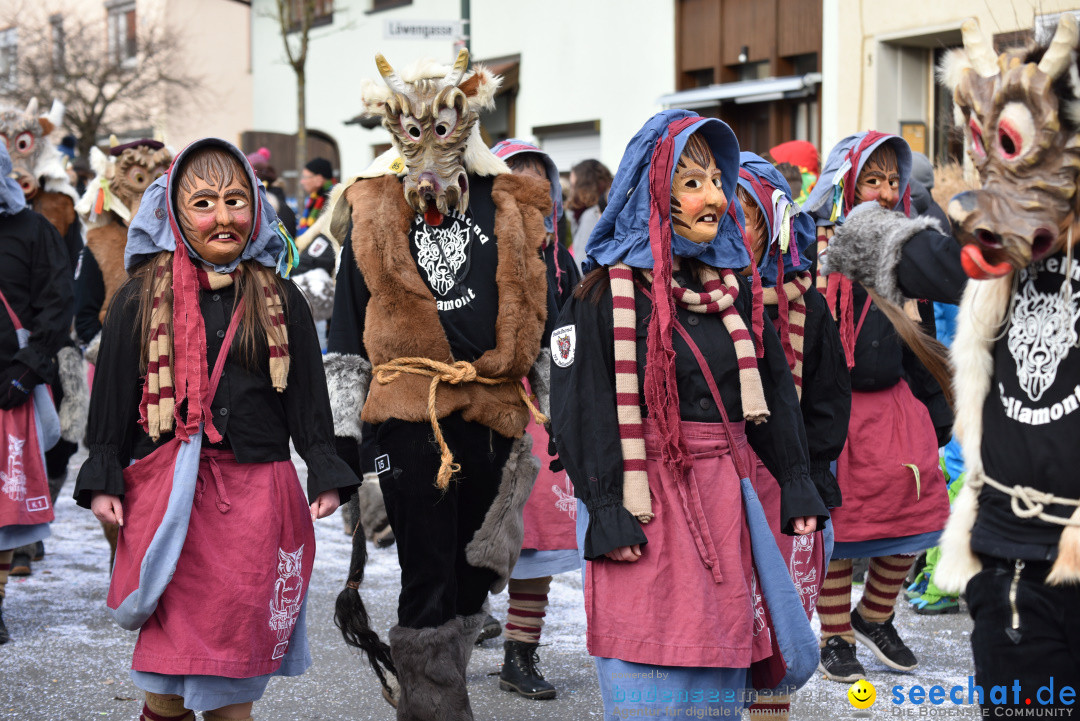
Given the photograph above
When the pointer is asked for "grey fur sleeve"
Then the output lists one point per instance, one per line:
(540, 381)
(868, 246)
(347, 378)
(75, 407)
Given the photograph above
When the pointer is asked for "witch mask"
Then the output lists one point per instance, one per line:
(1021, 115)
(214, 205)
(698, 202)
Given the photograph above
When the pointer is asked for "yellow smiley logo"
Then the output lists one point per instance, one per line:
(862, 694)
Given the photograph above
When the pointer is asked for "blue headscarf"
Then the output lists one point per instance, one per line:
(834, 193)
(12, 199)
(155, 227)
(622, 233)
(772, 195)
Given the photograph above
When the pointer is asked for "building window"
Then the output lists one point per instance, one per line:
(698, 78)
(123, 43)
(754, 71)
(9, 57)
(322, 13)
(377, 5)
(56, 23)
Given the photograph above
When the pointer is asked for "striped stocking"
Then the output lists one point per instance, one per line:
(834, 604)
(528, 604)
(5, 567)
(884, 580)
(165, 708)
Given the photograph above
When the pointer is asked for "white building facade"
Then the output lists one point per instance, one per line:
(581, 77)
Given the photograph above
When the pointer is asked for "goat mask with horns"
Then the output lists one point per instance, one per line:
(1021, 117)
(432, 117)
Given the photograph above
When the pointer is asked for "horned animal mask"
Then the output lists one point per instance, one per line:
(26, 133)
(1021, 115)
(433, 120)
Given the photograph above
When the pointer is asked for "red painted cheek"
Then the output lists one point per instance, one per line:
(242, 222)
(692, 205)
(205, 223)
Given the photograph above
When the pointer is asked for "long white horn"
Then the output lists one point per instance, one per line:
(456, 73)
(980, 51)
(1058, 55)
(56, 113)
(392, 80)
(31, 107)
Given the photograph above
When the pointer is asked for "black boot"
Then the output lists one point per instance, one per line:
(4, 635)
(519, 673)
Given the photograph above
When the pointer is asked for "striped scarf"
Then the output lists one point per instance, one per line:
(719, 296)
(170, 377)
(791, 321)
(313, 206)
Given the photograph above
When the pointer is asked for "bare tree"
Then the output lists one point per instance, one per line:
(115, 83)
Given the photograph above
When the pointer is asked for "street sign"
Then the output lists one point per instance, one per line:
(422, 29)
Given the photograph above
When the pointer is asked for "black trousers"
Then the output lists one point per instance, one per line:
(1027, 640)
(431, 526)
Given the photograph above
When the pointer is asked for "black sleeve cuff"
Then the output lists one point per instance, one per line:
(43, 366)
(611, 526)
(326, 471)
(102, 472)
(825, 483)
(799, 497)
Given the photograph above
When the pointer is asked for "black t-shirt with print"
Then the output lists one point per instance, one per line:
(457, 261)
(1031, 417)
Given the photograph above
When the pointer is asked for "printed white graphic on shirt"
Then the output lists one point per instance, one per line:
(441, 252)
(382, 464)
(318, 246)
(563, 345)
(15, 478)
(760, 626)
(288, 592)
(565, 498)
(1042, 332)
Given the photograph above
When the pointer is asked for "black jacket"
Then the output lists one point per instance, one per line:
(586, 427)
(255, 420)
(89, 297)
(35, 277)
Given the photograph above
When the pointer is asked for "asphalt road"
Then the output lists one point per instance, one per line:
(68, 661)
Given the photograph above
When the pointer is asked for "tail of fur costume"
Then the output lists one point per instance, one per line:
(351, 616)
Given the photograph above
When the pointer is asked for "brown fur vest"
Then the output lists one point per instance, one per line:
(57, 208)
(402, 319)
(107, 243)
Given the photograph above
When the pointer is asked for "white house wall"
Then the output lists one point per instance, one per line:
(606, 60)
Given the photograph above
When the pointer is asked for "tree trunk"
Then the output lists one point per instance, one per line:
(301, 124)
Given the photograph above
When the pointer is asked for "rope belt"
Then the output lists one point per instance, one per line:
(455, 373)
(1028, 502)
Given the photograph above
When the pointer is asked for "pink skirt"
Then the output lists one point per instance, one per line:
(551, 511)
(233, 602)
(890, 434)
(692, 599)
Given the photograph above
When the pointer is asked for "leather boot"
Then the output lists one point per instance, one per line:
(519, 673)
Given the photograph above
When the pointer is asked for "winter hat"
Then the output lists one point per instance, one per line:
(320, 166)
(260, 156)
(922, 170)
(799, 153)
(12, 199)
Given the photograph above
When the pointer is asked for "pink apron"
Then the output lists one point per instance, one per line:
(692, 597)
(889, 432)
(551, 510)
(805, 555)
(230, 606)
(243, 574)
(24, 486)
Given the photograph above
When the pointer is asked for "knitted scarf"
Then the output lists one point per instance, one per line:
(177, 368)
(314, 205)
(791, 321)
(718, 296)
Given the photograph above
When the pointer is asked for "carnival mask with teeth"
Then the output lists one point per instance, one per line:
(214, 205)
(698, 202)
(431, 120)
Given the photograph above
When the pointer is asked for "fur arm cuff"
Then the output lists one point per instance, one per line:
(75, 407)
(540, 381)
(347, 378)
(868, 246)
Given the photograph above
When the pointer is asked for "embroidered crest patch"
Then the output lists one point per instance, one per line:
(563, 345)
